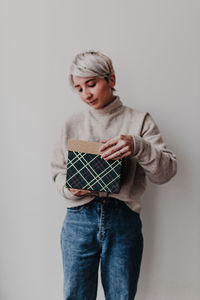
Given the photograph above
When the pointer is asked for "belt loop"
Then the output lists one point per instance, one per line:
(103, 194)
(104, 200)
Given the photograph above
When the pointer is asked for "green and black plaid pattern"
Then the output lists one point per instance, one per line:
(87, 171)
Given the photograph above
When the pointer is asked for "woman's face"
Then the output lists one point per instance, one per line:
(95, 91)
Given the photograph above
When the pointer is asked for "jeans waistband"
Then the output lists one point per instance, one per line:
(111, 201)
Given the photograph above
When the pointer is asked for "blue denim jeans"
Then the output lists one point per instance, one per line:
(104, 231)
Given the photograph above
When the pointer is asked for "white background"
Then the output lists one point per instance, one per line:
(154, 46)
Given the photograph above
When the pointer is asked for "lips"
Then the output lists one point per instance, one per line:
(92, 102)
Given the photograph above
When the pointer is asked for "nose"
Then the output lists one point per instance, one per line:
(86, 94)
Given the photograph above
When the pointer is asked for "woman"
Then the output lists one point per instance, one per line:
(101, 227)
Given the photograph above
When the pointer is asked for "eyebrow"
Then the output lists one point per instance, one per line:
(85, 82)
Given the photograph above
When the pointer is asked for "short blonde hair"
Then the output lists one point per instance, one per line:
(91, 63)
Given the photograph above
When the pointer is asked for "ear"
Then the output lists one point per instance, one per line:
(112, 80)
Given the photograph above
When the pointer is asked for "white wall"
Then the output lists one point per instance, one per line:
(154, 45)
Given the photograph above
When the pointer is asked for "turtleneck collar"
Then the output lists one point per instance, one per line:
(113, 106)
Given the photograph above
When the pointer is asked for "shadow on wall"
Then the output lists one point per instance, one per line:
(148, 217)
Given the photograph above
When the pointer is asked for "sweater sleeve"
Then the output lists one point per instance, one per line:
(58, 166)
(151, 153)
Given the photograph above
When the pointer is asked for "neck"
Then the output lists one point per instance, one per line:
(113, 107)
(110, 101)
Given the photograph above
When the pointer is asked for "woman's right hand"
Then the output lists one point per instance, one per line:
(77, 192)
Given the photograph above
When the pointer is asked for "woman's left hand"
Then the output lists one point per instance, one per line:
(119, 147)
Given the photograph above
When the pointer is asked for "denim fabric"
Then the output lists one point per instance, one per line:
(104, 231)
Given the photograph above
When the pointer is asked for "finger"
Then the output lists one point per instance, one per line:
(109, 143)
(84, 191)
(126, 154)
(78, 192)
(87, 192)
(114, 149)
(104, 140)
(118, 155)
(73, 191)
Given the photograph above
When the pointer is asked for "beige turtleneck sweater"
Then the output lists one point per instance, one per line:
(150, 156)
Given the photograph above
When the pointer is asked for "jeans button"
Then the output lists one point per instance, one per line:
(104, 201)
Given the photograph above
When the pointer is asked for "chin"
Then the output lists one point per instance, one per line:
(96, 107)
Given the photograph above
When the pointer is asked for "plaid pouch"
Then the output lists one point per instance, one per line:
(86, 170)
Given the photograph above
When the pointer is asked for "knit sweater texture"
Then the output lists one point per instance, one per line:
(150, 158)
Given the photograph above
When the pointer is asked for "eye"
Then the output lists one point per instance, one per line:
(92, 85)
(89, 85)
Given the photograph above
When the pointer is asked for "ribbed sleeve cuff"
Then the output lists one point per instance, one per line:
(69, 195)
(137, 140)
(141, 148)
